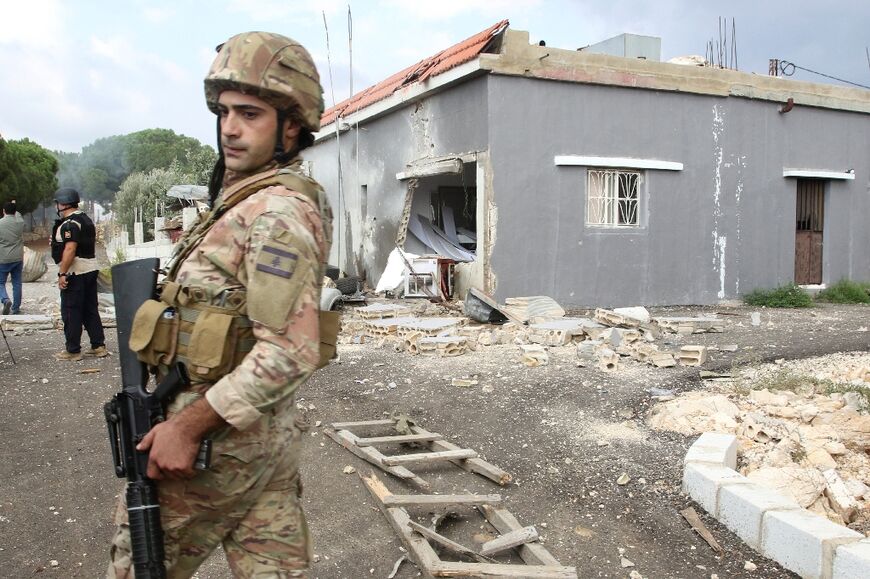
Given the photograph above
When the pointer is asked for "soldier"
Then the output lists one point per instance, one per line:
(244, 288)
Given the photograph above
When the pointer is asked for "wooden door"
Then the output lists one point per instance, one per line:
(809, 231)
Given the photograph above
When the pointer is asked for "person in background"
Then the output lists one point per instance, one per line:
(11, 257)
(73, 249)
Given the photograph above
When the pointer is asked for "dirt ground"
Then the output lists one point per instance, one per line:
(565, 433)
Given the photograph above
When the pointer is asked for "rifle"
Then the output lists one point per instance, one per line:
(133, 411)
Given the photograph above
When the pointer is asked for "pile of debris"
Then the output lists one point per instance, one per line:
(533, 324)
(808, 442)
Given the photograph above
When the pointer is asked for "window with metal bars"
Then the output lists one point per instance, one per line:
(612, 198)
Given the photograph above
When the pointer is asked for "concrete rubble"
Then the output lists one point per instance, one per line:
(600, 341)
(808, 441)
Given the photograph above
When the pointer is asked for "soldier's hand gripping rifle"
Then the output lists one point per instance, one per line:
(132, 412)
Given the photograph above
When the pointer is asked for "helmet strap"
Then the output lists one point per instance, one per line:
(280, 155)
(216, 181)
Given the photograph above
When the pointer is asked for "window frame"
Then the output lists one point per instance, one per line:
(614, 201)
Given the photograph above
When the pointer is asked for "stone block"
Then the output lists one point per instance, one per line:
(693, 355)
(702, 482)
(715, 448)
(534, 355)
(804, 542)
(742, 508)
(662, 360)
(852, 561)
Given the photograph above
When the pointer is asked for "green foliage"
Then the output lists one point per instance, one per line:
(846, 292)
(142, 192)
(785, 296)
(27, 174)
(98, 171)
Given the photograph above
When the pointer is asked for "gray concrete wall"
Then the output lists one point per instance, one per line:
(451, 122)
(721, 227)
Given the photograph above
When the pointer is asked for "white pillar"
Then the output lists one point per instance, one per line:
(188, 217)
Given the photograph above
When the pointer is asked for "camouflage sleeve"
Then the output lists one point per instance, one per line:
(281, 272)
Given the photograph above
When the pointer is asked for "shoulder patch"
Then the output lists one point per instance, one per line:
(275, 259)
(67, 234)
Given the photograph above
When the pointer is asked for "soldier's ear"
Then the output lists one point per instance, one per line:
(291, 132)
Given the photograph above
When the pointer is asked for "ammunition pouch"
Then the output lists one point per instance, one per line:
(154, 336)
(211, 340)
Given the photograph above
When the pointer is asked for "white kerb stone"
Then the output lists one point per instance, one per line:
(715, 448)
(702, 482)
(804, 542)
(852, 561)
(742, 508)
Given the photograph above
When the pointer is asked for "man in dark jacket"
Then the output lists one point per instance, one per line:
(73, 247)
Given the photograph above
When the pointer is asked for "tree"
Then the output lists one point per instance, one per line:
(98, 171)
(27, 174)
(143, 192)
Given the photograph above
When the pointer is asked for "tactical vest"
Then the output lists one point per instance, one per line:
(187, 323)
(87, 242)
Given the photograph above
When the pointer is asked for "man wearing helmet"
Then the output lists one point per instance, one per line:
(245, 287)
(73, 249)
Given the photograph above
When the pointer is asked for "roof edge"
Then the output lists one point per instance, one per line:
(520, 58)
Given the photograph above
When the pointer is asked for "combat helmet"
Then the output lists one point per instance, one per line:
(272, 67)
(67, 196)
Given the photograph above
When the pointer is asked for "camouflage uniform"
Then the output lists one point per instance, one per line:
(270, 246)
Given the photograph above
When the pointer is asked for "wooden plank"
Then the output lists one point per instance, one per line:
(447, 455)
(346, 425)
(693, 519)
(398, 439)
(418, 548)
(441, 500)
(348, 439)
(448, 544)
(504, 522)
(502, 570)
(475, 465)
(509, 541)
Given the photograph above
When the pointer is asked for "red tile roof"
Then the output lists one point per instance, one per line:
(443, 61)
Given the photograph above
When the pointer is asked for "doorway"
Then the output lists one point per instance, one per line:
(809, 231)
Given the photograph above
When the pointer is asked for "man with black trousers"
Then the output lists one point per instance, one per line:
(73, 249)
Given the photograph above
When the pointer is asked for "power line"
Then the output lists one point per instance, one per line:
(787, 69)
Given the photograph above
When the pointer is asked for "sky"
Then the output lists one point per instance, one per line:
(73, 72)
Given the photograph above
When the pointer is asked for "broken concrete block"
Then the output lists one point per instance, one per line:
(384, 327)
(409, 342)
(608, 360)
(557, 332)
(642, 352)
(534, 355)
(611, 318)
(429, 326)
(662, 360)
(636, 312)
(485, 339)
(444, 346)
(760, 428)
(381, 311)
(687, 325)
(693, 355)
(24, 322)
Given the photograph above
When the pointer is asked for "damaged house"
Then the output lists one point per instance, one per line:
(599, 179)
